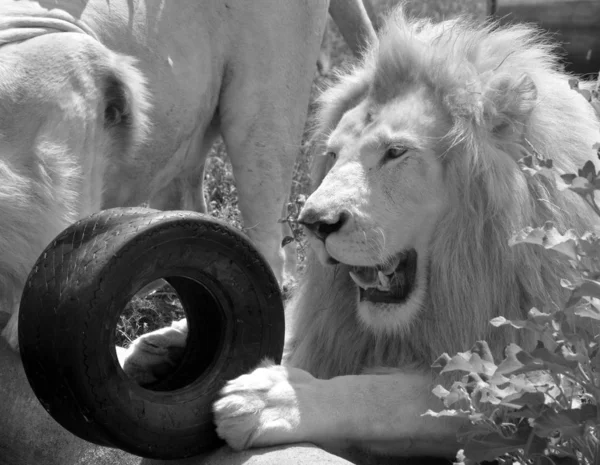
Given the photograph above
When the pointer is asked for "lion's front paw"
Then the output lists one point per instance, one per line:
(265, 407)
(154, 355)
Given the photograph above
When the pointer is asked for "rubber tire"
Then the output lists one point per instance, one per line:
(78, 288)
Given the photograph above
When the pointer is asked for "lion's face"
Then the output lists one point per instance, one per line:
(376, 208)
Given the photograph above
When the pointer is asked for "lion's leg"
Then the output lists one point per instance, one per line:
(262, 112)
(262, 148)
(184, 189)
(262, 120)
(382, 413)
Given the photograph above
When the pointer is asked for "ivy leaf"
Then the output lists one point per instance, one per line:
(456, 394)
(589, 288)
(595, 361)
(540, 318)
(532, 165)
(567, 180)
(555, 362)
(458, 413)
(466, 361)
(457, 363)
(481, 366)
(526, 412)
(527, 382)
(569, 423)
(495, 395)
(582, 186)
(441, 361)
(489, 397)
(510, 362)
(440, 391)
(588, 171)
(509, 365)
(589, 244)
(533, 400)
(580, 356)
(525, 358)
(501, 321)
(498, 379)
(492, 445)
(588, 311)
(549, 238)
(482, 349)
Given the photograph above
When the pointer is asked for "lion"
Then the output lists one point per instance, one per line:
(418, 190)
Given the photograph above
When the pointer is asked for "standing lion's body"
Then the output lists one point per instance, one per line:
(416, 197)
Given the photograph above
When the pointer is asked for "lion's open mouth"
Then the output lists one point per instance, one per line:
(390, 283)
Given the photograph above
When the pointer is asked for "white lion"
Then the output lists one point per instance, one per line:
(418, 193)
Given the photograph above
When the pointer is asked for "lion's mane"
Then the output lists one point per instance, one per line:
(478, 72)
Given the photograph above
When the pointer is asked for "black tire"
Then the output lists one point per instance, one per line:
(78, 288)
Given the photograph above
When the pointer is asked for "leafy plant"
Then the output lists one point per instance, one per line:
(539, 407)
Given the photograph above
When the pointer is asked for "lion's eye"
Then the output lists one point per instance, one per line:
(395, 152)
(331, 155)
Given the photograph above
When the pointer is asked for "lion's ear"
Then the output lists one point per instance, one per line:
(508, 103)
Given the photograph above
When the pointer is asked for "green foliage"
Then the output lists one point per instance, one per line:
(539, 407)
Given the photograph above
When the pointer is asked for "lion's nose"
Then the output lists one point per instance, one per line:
(322, 224)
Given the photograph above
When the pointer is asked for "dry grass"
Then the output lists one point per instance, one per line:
(159, 308)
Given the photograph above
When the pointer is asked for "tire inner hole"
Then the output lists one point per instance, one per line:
(170, 332)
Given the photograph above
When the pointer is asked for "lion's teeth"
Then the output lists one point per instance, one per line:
(383, 282)
(360, 282)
